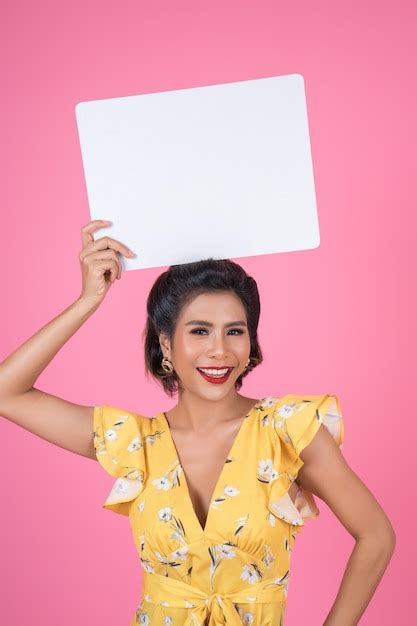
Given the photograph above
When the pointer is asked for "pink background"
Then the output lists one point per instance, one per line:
(337, 319)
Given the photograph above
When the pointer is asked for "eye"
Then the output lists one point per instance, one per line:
(236, 330)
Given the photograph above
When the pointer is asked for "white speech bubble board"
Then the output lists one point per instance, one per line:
(222, 171)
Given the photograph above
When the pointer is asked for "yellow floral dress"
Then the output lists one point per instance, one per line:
(236, 570)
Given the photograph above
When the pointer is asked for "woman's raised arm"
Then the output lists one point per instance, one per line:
(63, 423)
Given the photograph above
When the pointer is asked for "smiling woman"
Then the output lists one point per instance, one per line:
(218, 487)
(178, 321)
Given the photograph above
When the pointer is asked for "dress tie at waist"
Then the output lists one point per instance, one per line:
(218, 607)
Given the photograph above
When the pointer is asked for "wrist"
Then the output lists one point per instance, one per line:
(86, 305)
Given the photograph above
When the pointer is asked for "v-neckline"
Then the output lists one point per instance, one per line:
(176, 456)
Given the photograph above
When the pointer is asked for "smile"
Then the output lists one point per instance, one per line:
(215, 375)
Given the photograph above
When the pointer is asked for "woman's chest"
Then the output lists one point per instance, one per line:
(203, 462)
(206, 488)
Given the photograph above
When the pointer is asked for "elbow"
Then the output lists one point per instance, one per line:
(391, 540)
(388, 536)
(382, 537)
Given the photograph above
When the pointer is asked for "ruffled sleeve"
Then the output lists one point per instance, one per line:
(295, 422)
(119, 450)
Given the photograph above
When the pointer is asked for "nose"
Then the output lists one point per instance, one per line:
(218, 348)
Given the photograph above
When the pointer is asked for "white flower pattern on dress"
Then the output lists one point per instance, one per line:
(180, 553)
(110, 435)
(162, 483)
(268, 557)
(225, 551)
(228, 492)
(241, 523)
(165, 514)
(251, 574)
(245, 616)
(248, 541)
(218, 552)
(266, 471)
(265, 421)
(135, 444)
(271, 518)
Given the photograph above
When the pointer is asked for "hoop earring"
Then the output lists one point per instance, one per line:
(167, 365)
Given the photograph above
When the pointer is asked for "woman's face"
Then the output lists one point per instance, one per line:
(211, 332)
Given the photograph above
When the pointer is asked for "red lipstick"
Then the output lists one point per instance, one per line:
(216, 380)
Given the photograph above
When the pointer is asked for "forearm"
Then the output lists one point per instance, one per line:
(19, 371)
(364, 570)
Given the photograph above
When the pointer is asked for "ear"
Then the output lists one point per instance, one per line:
(165, 345)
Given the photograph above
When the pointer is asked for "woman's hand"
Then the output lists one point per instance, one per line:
(100, 262)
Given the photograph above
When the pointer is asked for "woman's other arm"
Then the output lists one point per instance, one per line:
(63, 423)
(326, 474)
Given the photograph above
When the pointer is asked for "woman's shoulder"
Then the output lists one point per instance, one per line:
(297, 400)
(297, 417)
(107, 417)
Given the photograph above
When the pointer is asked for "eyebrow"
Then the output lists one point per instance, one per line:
(204, 323)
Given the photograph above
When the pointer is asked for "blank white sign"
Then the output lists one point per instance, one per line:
(222, 171)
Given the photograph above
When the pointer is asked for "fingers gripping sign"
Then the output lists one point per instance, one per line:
(100, 261)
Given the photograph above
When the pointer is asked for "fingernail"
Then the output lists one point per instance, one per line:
(131, 253)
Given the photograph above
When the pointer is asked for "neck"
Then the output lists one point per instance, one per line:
(196, 413)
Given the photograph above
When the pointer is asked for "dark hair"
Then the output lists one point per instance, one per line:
(176, 288)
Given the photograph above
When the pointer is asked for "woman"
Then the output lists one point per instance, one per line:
(218, 487)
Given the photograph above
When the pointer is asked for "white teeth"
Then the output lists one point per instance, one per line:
(217, 373)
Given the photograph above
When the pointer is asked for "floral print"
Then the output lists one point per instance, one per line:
(266, 472)
(228, 492)
(236, 569)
